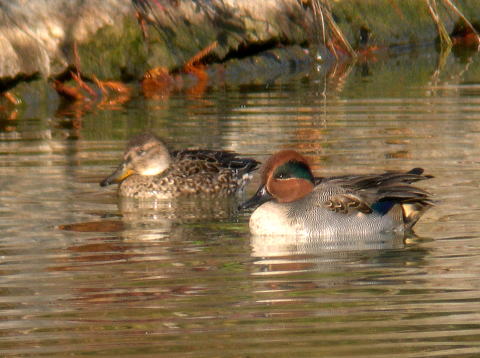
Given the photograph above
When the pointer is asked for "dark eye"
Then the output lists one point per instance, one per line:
(282, 175)
(141, 152)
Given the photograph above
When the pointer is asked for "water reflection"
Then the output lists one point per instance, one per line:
(83, 272)
(271, 246)
(199, 208)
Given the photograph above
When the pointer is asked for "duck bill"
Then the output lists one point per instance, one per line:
(117, 176)
(260, 197)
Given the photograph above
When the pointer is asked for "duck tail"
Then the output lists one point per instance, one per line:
(413, 211)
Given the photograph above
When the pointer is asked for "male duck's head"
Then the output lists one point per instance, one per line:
(286, 177)
(145, 155)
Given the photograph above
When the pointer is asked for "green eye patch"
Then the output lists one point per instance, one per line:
(294, 169)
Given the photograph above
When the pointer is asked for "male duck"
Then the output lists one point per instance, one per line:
(295, 203)
(149, 170)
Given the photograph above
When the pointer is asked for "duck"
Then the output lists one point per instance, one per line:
(150, 170)
(291, 201)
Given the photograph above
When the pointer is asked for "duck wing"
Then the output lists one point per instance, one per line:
(376, 192)
(219, 159)
(347, 202)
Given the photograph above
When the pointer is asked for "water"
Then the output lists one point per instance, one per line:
(83, 273)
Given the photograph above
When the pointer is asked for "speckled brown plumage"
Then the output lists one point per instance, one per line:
(183, 172)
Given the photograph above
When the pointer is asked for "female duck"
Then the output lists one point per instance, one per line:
(293, 202)
(149, 170)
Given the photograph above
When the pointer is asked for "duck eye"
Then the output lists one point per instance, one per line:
(282, 175)
(141, 152)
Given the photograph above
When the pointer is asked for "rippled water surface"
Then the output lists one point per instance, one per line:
(85, 274)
